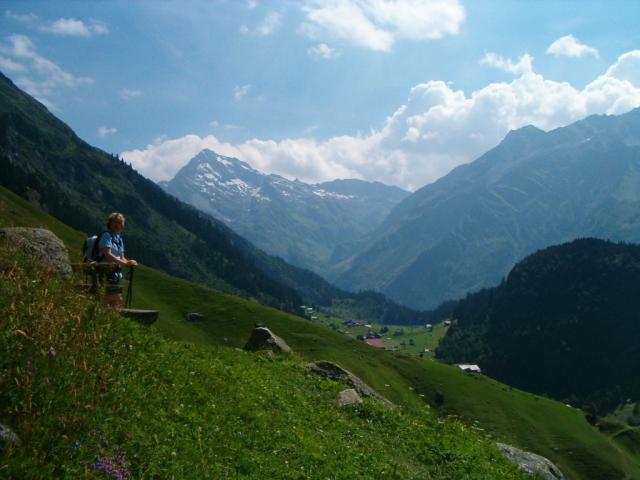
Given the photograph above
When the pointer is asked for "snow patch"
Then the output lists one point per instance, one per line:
(339, 196)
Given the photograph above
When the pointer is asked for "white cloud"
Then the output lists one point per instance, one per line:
(106, 131)
(8, 65)
(251, 4)
(240, 91)
(40, 76)
(437, 129)
(322, 50)
(569, 46)
(524, 65)
(24, 18)
(270, 24)
(377, 24)
(75, 28)
(267, 26)
(129, 93)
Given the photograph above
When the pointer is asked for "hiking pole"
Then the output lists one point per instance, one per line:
(127, 303)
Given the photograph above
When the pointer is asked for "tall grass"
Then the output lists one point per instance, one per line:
(93, 395)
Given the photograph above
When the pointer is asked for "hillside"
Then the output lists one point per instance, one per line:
(535, 189)
(101, 397)
(507, 414)
(564, 323)
(43, 160)
(311, 226)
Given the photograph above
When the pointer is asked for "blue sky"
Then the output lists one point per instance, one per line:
(399, 91)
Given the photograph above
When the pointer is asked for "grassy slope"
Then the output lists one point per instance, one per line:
(538, 424)
(93, 395)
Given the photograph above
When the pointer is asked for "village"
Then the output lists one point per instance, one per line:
(420, 340)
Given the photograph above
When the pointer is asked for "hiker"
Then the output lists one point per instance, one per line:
(111, 245)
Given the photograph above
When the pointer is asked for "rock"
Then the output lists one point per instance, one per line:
(530, 463)
(8, 437)
(263, 338)
(194, 317)
(41, 243)
(348, 397)
(336, 372)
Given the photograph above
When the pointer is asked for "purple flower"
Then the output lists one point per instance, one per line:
(75, 444)
(113, 467)
(52, 353)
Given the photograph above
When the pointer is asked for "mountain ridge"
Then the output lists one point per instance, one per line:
(309, 225)
(467, 229)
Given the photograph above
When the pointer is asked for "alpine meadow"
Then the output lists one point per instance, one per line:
(325, 239)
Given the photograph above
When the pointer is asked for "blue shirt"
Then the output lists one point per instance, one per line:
(114, 242)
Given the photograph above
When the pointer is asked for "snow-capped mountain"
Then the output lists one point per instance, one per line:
(313, 226)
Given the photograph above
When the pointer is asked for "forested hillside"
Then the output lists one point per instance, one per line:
(565, 322)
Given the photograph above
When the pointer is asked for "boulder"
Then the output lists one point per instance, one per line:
(194, 317)
(336, 372)
(532, 464)
(348, 397)
(8, 437)
(263, 338)
(42, 244)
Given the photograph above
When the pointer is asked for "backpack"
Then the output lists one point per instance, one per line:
(90, 248)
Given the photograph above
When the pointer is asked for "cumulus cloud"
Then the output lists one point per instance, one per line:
(569, 46)
(106, 131)
(240, 91)
(75, 28)
(437, 129)
(377, 24)
(524, 64)
(322, 50)
(39, 76)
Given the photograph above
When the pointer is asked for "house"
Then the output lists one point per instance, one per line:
(375, 342)
(469, 368)
(447, 323)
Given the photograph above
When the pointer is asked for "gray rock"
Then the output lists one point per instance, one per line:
(530, 463)
(336, 372)
(263, 338)
(41, 243)
(8, 437)
(194, 317)
(348, 397)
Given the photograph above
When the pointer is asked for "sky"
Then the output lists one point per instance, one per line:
(397, 91)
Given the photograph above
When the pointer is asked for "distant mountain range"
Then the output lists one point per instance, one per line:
(535, 189)
(312, 226)
(565, 322)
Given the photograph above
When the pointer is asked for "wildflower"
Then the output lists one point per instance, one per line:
(113, 467)
(52, 353)
(75, 444)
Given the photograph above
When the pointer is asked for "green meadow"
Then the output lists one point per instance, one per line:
(433, 395)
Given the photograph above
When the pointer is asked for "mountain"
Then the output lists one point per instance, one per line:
(312, 226)
(565, 322)
(41, 159)
(535, 189)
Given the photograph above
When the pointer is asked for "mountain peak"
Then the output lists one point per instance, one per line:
(528, 132)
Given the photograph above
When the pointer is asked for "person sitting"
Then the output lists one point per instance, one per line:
(111, 246)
